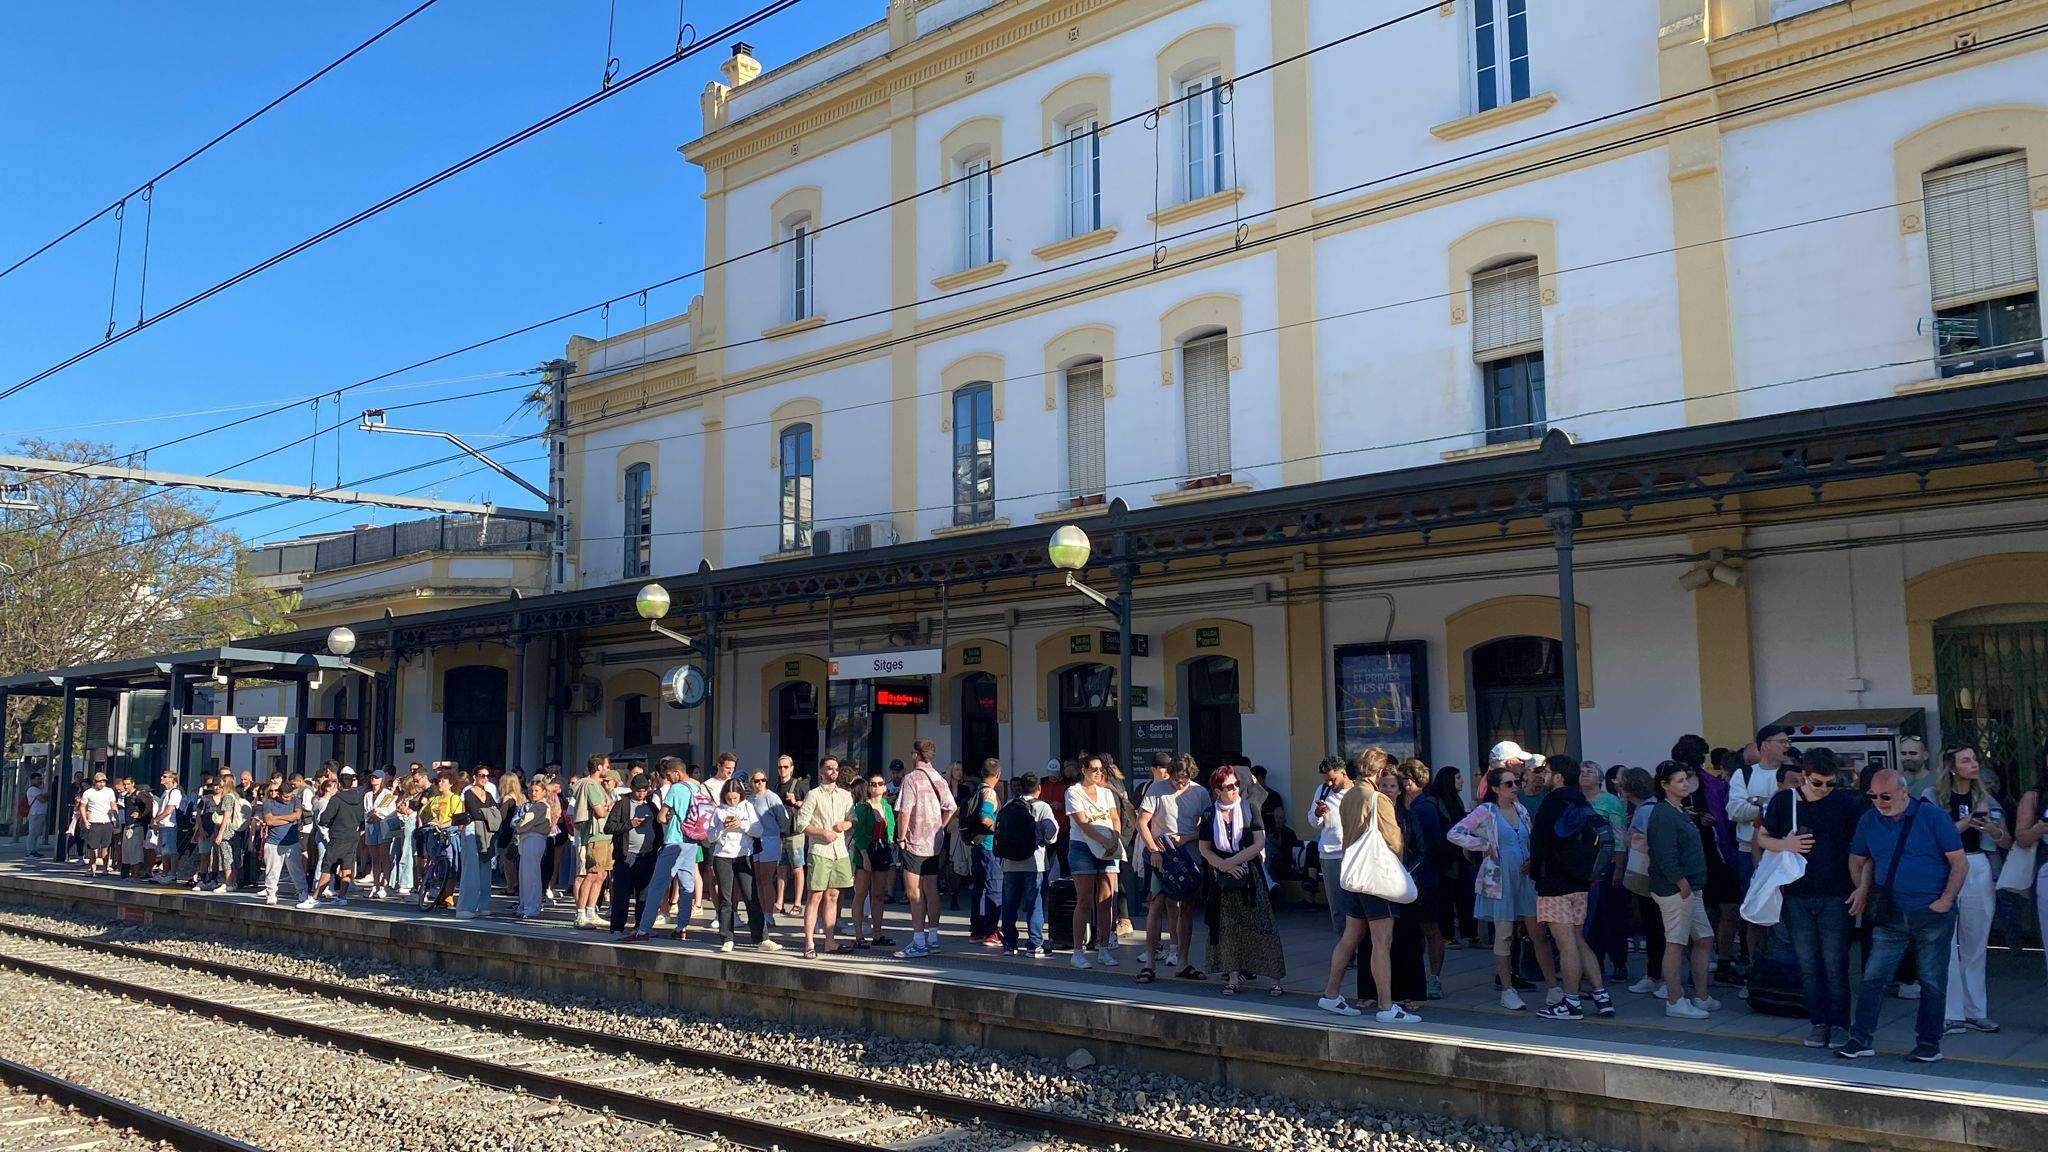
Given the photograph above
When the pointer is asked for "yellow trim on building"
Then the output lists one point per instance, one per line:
(1081, 96)
(1231, 638)
(995, 660)
(980, 368)
(629, 682)
(1073, 348)
(1193, 54)
(1523, 109)
(967, 277)
(795, 667)
(1059, 249)
(802, 410)
(1501, 242)
(1197, 317)
(1977, 132)
(1189, 209)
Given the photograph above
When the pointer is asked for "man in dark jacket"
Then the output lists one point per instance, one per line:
(343, 820)
(1564, 845)
(1678, 881)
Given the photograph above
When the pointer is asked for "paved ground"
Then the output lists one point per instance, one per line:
(2011, 1063)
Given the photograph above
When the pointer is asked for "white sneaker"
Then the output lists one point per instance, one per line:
(1105, 957)
(1396, 1014)
(725, 945)
(1643, 987)
(664, 922)
(1909, 991)
(1706, 1003)
(767, 946)
(306, 905)
(1039, 953)
(1685, 1009)
(1173, 956)
(1338, 1005)
(1081, 959)
(405, 891)
(1511, 1000)
(1662, 993)
(270, 900)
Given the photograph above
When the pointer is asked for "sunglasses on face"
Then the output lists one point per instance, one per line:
(1226, 787)
(1820, 783)
(876, 784)
(1510, 784)
(1887, 796)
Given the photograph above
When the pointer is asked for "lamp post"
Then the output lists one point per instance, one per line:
(652, 604)
(1069, 550)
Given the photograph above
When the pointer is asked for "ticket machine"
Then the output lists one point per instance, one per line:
(1859, 737)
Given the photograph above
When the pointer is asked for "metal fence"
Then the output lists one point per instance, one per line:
(1993, 688)
(369, 545)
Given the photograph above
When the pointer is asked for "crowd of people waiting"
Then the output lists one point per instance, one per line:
(1560, 868)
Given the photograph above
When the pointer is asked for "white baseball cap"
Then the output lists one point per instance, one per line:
(1507, 751)
(1053, 766)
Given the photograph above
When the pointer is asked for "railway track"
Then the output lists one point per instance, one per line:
(691, 1089)
(45, 1113)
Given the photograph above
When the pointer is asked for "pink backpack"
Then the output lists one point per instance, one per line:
(697, 819)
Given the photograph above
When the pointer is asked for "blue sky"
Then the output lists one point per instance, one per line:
(103, 95)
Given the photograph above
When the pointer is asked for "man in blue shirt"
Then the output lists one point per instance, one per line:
(1908, 862)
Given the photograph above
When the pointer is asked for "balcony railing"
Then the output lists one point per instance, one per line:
(370, 545)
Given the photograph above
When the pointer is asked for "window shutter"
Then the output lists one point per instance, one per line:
(1507, 309)
(1085, 465)
(1980, 231)
(1205, 373)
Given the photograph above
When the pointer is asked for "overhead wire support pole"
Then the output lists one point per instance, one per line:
(373, 421)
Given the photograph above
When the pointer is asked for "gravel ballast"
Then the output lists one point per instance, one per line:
(1105, 1092)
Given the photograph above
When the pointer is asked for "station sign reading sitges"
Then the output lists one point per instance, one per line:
(881, 665)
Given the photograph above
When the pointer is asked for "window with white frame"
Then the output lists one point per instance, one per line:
(639, 522)
(1082, 148)
(977, 212)
(974, 454)
(1500, 52)
(1202, 146)
(794, 447)
(799, 257)
(1086, 457)
(1982, 269)
(1507, 346)
(1205, 392)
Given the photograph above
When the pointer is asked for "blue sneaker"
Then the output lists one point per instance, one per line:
(913, 951)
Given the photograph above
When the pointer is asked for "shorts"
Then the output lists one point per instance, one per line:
(597, 856)
(341, 859)
(165, 841)
(99, 836)
(829, 872)
(133, 839)
(793, 851)
(1082, 862)
(1685, 919)
(920, 865)
(879, 857)
(1569, 908)
(1363, 906)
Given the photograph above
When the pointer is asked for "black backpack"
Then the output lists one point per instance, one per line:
(1574, 852)
(1016, 831)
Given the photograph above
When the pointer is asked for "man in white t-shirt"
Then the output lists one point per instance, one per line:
(163, 828)
(38, 798)
(98, 809)
(1328, 827)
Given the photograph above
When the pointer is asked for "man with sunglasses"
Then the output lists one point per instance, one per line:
(1816, 820)
(1909, 864)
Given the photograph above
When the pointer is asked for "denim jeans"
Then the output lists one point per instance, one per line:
(532, 853)
(984, 893)
(1020, 894)
(473, 884)
(1819, 927)
(402, 851)
(1928, 936)
(653, 886)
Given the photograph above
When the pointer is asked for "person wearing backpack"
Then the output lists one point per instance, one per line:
(1024, 828)
(1564, 853)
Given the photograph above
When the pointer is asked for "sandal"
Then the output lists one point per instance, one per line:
(843, 950)
(1146, 976)
(1230, 987)
(861, 944)
(810, 953)
(1190, 972)
(682, 934)
(1276, 990)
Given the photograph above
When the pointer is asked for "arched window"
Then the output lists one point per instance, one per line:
(799, 259)
(1081, 149)
(1982, 269)
(1086, 457)
(1500, 53)
(1507, 345)
(974, 454)
(639, 521)
(795, 455)
(1205, 387)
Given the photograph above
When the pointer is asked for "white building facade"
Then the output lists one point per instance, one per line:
(983, 268)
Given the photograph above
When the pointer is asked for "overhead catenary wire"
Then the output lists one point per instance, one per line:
(762, 13)
(1668, 129)
(196, 153)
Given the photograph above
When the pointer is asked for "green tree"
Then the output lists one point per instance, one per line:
(102, 570)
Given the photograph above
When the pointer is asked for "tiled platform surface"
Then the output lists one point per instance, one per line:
(1640, 1081)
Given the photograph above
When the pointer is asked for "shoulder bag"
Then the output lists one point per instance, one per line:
(1878, 908)
(1765, 900)
(1371, 868)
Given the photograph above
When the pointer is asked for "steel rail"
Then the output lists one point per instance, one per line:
(950, 1106)
(701, 1122)
(122, 1113)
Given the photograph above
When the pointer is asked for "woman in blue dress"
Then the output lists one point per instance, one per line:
(1503, 892)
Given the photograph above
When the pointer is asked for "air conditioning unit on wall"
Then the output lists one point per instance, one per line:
(585, 696)
(853, 537)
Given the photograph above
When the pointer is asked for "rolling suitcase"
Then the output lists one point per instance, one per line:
(1775, 988)
(1059, 914)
